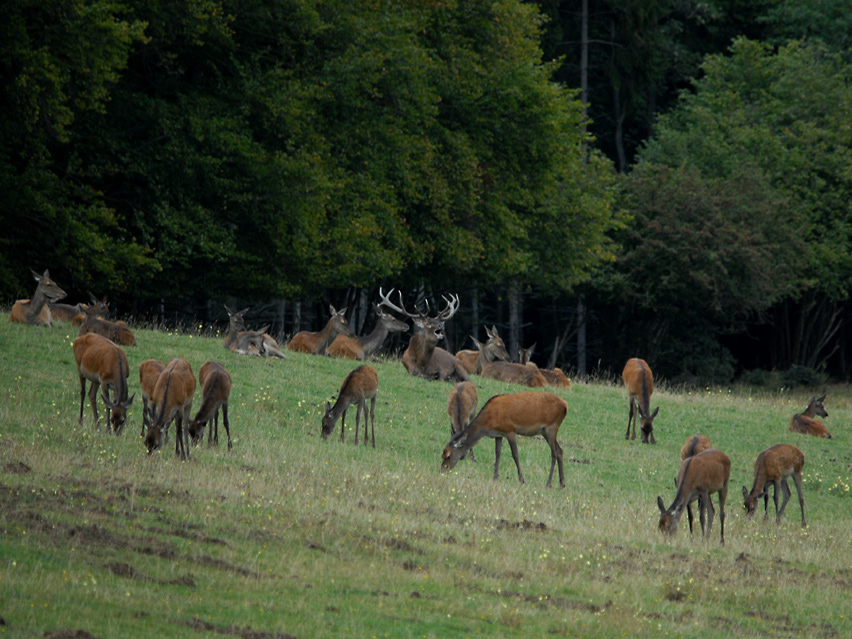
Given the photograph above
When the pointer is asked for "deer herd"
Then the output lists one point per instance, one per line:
(168, 390)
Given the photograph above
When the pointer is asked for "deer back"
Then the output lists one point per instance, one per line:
(694, 445)
(512, 373)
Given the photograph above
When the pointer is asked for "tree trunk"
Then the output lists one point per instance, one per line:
(514, 295)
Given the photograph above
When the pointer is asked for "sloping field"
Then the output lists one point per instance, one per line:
(288, 535)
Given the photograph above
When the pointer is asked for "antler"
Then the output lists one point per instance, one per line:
(450, 309)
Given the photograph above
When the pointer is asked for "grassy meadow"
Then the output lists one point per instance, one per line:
(288, 535)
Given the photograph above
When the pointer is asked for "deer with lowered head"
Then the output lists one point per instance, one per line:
(639, 381)
(694, 445)
(359, 385)
(103, 363)
(461, 407)
(36, 311)
(555, 377)
(772, 468)
(700, 476)
(215, 390)
(317, 343)
(118, 332)
(805, 422)
(493, 349)
(244, 342)
(172, 398)
(529, 414)
(363, 348)
(423, 357)
(149, 373)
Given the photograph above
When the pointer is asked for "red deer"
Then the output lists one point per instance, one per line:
(423, 357)
(103, 363)
(318, 343)
(363, 348)
(700, 476)
(149, 373)
(215, 390)
(772, 467)
(494, 348)
(461, 407)
(555, 377)
(528, 414)
(117, 332)
(512, 373)
(173, 401)
(76, 314)
(806, 424)
(694, 445)
(244, 342)
(36, 311)
(359, 385)
(639, 381)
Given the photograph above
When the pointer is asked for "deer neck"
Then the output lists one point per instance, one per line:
(422, 348)
(372, 342)
(326, 337)
(37, 302)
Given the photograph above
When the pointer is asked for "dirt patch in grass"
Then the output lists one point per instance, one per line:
(236, 631)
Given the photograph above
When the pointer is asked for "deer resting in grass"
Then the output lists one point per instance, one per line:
(239, 340)
(215, 390)
(423, 358)
(527, 414)
(118, 332)
(694, 445)
(363, 348)
(639, 381)
(805, 422)
(103, 363)
(461, 407)
(35, 311)
(700, 476)
(772, 468)
(317, 343)
(173, 400)
(149, 373)
(493, 349)
(554, 377)
(359, 385)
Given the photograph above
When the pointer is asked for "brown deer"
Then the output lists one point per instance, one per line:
(700, 476)
(806, 424)
(317, 343)
(639, 381)
(35, 311)
(772, 467)
(461, 407)
(528, 414)
(512, 373)
(694, 445)
(423, 357)
(359, 385)
(66, 312)
(173, 401)
(363, 348)
(117, 332)
(215, 390)
(245, 342)
(554, 377)
(494, 348)
(149, 373)
(103, 363)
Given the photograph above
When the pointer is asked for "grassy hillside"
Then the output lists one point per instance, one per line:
(292, 536)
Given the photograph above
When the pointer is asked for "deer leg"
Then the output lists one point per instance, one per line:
(785, 488)
(93, 400)
(82, 397)
(630, 419)
(555, 457)
(342, 425)
(777, 485)
(226, 424)
(361, 407)
(723, 496)
(711, 512)
(797, 479)
(765, 501)
(372, 422)
(702, 514)
(689, 516)
(498, 444)
(513, 444)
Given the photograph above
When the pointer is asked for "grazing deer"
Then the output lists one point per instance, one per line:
(694, 445)
(639, 381)
(173, 401)
(215, 390)
(359, 385)
(103, 363)
(363, 348)
(117, 332)
(700, 476)
(423, 358)
(35, 311)
(245, 342)
(461, 407)
(528, 414)
(772, 467)
(149, 373)
(317, 343)
(494, 348)
(555, 377)
(806, 424)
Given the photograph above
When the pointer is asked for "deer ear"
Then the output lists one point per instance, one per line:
(37, 276)
(654, 414)
(745, 492)
(821, 399)
(130, 400)
(108, 403)
(660, 504)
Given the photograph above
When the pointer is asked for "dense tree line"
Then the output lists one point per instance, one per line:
(171, 153)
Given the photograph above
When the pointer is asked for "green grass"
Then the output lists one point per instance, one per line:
(290, 535)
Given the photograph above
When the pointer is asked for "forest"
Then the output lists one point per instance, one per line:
(655, 178)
